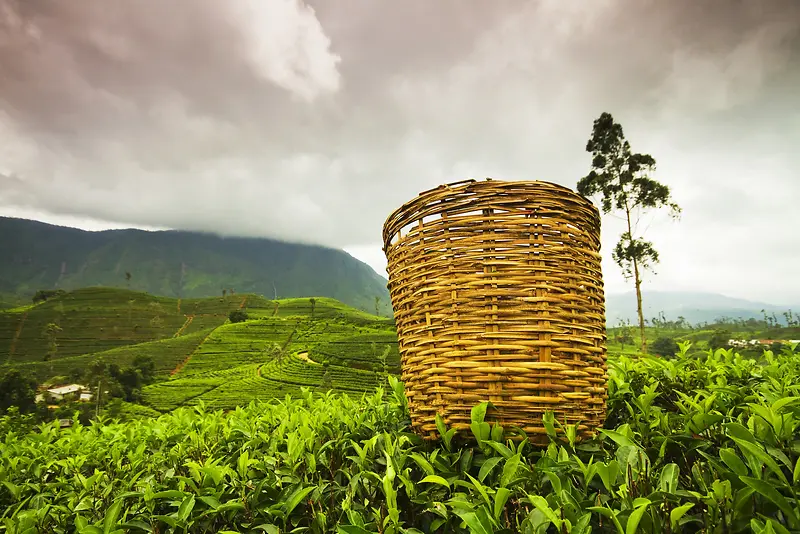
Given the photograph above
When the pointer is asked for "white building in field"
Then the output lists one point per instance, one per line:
(741, 343)
(71, 389)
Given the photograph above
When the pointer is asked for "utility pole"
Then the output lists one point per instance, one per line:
(97, 404)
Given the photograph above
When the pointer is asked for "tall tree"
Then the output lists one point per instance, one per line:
(622, 179)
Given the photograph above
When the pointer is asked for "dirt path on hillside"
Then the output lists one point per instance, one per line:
(180, 331)
(182, 364)
(244, 301)
(304, 356)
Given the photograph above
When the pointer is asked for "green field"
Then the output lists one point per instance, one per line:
(198, 354)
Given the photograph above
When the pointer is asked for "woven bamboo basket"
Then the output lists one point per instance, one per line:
(497, 294)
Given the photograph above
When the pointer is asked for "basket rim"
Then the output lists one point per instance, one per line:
(395, 220)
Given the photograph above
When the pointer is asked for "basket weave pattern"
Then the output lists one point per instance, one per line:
(498, 296)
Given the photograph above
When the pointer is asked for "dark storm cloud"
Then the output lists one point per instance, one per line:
(313, 122)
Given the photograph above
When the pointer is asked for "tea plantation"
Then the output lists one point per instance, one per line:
(198, 354)
(92, 320)
(293, 421)
(691, 444)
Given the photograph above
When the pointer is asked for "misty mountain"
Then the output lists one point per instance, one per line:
(695, 307)
(37, 256)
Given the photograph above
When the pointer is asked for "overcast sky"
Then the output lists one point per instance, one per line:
(312, 122)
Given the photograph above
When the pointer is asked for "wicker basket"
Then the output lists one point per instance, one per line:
(498, 296)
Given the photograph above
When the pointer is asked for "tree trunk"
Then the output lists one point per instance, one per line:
(638, 283)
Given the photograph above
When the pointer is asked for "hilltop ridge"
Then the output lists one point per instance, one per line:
(179, 264)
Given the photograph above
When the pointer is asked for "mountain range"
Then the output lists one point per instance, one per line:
(695, 307)
(37, 256)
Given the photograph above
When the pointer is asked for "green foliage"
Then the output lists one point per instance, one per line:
(237, 316)
(618, 175)
(17, 389)
(664, 346)
(690, 445)
(45, 294)
(623, 335)
(719, 339)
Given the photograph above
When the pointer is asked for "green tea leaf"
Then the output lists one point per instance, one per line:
(635, 518)
(479, 487)
(738, 431)
(424, 464)
(510, 470)
(490, 464)
(796, 473)
(677, 513)
(480, 431)
(619, 439)
(497, 433)
(110, 520)
(473, 521)
(504, 451)
(186, 508)
(295, 498)
(541, 504)
(757, 452)
(611, 514)
(769, 492)
(343, 529)
(779, 404)
(500, 500)
(478, 412)
(733, 462)
(435, 479)
(668, 483)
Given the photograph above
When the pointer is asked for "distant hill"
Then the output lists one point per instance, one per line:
(695, 307)
(179, 264)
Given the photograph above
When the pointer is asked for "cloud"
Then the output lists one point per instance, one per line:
(312, 121)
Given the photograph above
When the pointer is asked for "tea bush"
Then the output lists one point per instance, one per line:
(690, 445)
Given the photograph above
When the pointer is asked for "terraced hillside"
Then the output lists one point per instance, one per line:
(198, 354)
(272, 356)
(98, 319)
(167, 355)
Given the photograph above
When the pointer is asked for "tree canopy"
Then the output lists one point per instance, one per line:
(17, 389)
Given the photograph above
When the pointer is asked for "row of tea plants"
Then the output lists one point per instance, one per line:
(690, 445)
